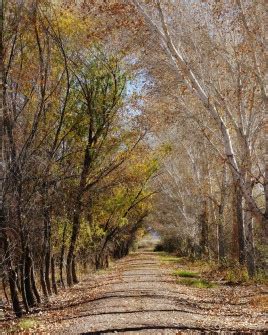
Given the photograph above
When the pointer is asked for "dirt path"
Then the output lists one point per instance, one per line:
(141, 296)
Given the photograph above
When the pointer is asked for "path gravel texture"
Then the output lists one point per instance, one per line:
(143, 297)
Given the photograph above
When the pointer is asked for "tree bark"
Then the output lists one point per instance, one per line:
(221, 237)
(74, 273)
(62, 252)
(250, 246)
(47, 271)
(46, 261)
(239, 251)
(43, 282)
(35, 290)
(70, 266)
(5, 288)
(12, 276)
(27, 279)
(220, 228)
(204, 230)
(22, 285)
(14, 293)
(265, 217)
(53, 276)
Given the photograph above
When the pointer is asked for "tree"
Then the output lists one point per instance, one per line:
(213, 93)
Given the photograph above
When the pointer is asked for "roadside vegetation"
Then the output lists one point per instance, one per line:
(209, 274)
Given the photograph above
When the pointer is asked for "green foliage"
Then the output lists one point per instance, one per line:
(168, 258)
(87, 234)
(186, 274)
(198, 283)
(96, 93)
(61, 228)
(27, 324)
(261, 277)
(237, 275)
(123, 222)
(165, 149)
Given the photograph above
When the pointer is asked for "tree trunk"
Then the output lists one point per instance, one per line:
(27, 279)
(35, 290)
(250, 247)
(22, 285)
(220, 228)
(5, 288)
(18, 277)
(239, 251)
(70, 267)
(204, 230)
(70, 256)
(14, 293)
(221, 237)
(265, 217)
(12, 276)
(62, 254)
(69, 276)
(43, 282)
(53, 275)
(251, 266)
(47, 271)
(74, 275)
(46, 261)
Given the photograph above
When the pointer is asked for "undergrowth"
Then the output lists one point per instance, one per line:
(186, 274)
(195, 282)
(27, 323)
(169, 258)
(229, 274)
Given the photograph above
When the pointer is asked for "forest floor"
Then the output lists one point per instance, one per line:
(140, 294)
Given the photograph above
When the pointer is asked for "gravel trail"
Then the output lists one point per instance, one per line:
(144, 298)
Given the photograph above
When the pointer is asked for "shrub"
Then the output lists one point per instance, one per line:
(236, 275)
